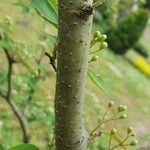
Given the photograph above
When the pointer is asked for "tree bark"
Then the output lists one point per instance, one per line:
(75, 22)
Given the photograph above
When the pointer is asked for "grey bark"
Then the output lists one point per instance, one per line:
(75, 22)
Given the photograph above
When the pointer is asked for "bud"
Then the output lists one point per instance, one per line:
(97, 34)
(36, 72)
(99, 133)
(110, 104)
(113, 131)
(122, 108)
(134, 143)
(129, 130)
(94, 58)
(123, 116)
(133, 134)
(104, 37)
(103, 45)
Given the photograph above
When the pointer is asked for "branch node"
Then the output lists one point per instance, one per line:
(85, 11)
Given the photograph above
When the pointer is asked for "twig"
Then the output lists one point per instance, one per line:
(100, 123)
(121, 144)
(52, 141)
(103, 122)
(13, 106)
(22, 120)
(96, 4)
(110, 142)
(32, 90)
(52, 60)
(95, 51)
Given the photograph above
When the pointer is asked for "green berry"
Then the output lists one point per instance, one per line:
(94, 58)
(97, 34)
(103, 45)
(123, 116)
(129, 130)
(122, 108)
(134, 143)
(113, 131)
(104, 37)
(119, 108)
(110, 104)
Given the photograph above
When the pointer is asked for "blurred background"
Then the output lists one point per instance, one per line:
(124, 66)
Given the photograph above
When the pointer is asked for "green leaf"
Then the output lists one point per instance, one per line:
(25, 147)
(51, 40)
(45, 10)
(98, 81)
(4, 43)
(53, 3)
(1, 147)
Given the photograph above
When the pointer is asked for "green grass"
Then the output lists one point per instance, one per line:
(127, 86)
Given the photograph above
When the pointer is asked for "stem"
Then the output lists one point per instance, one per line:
(96, 4)
(22, 121)
(100, 123)
(121, 144)
(110, 120)
(93, 42)
(75, 23)
(52, 61)
(115, 115)
(103, 122)
(95, 52)
(52, 141)
(15, 109)
(32, 90)
(110, 142)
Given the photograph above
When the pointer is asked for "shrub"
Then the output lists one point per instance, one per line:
(147, 4)
(125, 34)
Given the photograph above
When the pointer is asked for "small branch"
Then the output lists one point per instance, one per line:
(103, 122)
(94, 52)
(100, 123)
(51, 145)
(110, 142)
(22, 121)
(38, 61)
(9, 76)
(32, 90)
(110, 120)
(52, 61)
(96, 4)
(121, 144)
(15, 109)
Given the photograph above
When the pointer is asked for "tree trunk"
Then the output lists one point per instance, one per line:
(75, 22)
